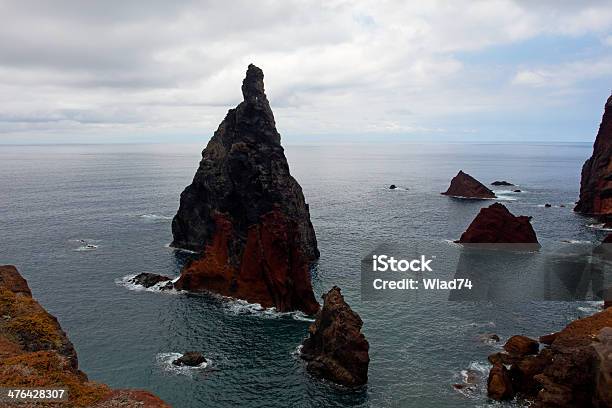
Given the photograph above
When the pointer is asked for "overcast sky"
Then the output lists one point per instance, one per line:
(167, 71)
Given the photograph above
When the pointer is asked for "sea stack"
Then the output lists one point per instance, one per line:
(336, 349)
(497, 225)
(246, 215)
(596, 180)
(465, 186)
(35, 352)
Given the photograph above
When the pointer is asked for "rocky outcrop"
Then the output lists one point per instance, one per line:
(148, 280)
(246, 215)
(35, 351)
(336, 349)
(497, 225)
(596, 179)
(573, 370)
(501, 183)
(190, 359)
(465, 186)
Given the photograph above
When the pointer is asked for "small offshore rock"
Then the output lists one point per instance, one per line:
(501, 183)
(148, 280)
(392, 187)
(465, 186)
(190, 359)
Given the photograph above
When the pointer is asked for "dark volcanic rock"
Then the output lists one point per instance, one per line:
(497, 225)
(149, 279)
(246, 214)
(516, 191)
(501, 183)
(465, 186)
(392, 187)
(596, 180)
(191, 359)
(336, 349)
(547, 205)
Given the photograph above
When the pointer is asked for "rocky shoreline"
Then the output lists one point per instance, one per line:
(35, 352)
(572, 369)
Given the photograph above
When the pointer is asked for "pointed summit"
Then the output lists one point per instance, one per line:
(246, 215)
(253, 85)
(465, 186)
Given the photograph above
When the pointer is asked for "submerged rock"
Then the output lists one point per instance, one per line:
(149, 279)
(497, 225)
(596, 178)
(465, 186)
(501, 183)
(246, 215)
(190, 358)
(35, 352)
(336, 349)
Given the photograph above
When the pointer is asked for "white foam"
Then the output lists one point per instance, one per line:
(169, 246)
(599, 227)
(244, 308)
(298, 350)
(155, 217)
(592, 308)
(575, 241)
(164, 361)
(87, 247)
(127, 283)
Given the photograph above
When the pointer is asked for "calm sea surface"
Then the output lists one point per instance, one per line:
(121, 198)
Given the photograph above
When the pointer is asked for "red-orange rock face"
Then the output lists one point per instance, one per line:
(35, 352)
(273, 271)
(596, 181)
(465, 186)
(497, 225)
(246, 215)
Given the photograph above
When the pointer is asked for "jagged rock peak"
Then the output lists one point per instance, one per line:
(246, 215)
(253, 85)
(336, 349)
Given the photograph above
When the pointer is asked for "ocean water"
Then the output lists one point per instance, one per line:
(120, 198)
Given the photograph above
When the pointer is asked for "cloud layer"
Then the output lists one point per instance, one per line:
(159, 70)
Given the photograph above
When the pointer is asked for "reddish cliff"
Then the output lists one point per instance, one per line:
(465, 186)
(336, 349)
(35, 352)
(246, 215)
(596, 181)
(497, 225)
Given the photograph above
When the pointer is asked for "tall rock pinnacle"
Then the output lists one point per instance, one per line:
(246, 215)
(596, 181)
